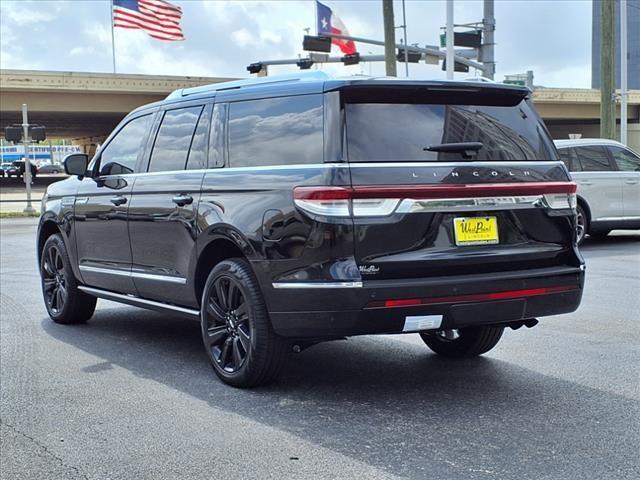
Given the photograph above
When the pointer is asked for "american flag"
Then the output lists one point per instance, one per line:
(158, 18)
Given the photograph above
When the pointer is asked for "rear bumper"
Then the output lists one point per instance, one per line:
(358, 310)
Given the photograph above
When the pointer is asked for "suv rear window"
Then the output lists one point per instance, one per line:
(388, 132)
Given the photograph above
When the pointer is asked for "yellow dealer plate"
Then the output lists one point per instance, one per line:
(476, 230)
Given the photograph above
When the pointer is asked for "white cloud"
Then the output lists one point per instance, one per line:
(28, 13)
(244, 37)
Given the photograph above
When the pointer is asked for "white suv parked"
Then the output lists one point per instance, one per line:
(608, 178)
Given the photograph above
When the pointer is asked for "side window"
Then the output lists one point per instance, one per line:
(198, 152)
(218, 135)
(120, 155)
(626, 161)
(593, 159)
(276, 131)
(173, 140)
(567, 155)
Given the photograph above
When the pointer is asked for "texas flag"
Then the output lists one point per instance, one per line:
(329, 22)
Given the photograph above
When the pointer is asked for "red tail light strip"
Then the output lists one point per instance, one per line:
(475, 297)
(433, 191)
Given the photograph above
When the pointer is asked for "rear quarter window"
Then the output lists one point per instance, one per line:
(276, 131)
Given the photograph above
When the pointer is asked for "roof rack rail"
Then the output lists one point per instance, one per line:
(249, 82)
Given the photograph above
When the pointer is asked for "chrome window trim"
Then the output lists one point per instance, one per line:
(131, 274)
(332, 165)
(308, 285)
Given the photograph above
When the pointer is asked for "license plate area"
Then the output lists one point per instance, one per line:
(475, 230)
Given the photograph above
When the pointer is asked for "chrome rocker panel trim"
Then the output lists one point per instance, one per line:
(140, 302)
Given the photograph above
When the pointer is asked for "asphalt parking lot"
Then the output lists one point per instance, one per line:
(130, 395)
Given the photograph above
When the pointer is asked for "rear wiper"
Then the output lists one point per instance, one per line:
(467, 149)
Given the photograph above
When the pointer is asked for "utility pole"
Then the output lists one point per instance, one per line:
(406, 42)
(449, 36)
(488, 40)
(389, 38)
(623, 71)
(27, 163)
(607, 70)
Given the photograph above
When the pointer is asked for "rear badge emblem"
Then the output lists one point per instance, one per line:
(371, 269)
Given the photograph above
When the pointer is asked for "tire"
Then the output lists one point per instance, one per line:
(241, 345)
(470, 341)
(65, 303)
(582, 224)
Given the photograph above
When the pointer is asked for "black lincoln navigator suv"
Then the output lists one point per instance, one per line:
(285, 211)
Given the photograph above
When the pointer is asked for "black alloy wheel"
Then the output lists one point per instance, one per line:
(228, 330)
(54, 280)
(64, 301)
(241, 345)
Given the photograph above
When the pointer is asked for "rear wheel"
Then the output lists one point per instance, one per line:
(65, 303)
(463, 342)
(581, 223)
(237, 334)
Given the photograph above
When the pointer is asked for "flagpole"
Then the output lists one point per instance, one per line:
(113, 40)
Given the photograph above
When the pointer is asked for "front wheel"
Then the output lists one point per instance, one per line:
(65, 303)
(237, 334)
(463, 342)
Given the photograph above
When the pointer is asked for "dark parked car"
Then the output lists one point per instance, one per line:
(17, 169)
(50, 168)
(282, 212)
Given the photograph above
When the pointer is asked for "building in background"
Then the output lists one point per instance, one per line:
(633, 42)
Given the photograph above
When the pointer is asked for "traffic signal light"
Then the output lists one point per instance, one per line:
(457, 67)
(311, 43)
(351, 59)
(37, 133)
(304, 63)
(255, 68)
(13, 133)
(412, 56)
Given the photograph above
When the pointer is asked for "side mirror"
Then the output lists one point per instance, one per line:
(76, 164)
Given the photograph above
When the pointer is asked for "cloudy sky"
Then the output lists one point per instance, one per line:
(550, 37)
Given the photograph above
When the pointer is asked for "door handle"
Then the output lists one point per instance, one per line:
(632, 182)
(182, 200)
(585, 183)
(119, 200)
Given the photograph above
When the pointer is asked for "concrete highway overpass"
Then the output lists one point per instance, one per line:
(82, 106)
(86, 106)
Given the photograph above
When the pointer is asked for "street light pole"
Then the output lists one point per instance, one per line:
(488, 42)
(449, 35)
(623, 71)
(389, 38)
(607, 70)
(27, 163)
(406, 43)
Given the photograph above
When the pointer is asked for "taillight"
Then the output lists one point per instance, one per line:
(379, 201)
(327, 201)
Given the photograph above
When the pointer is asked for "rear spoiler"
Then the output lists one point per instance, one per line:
(447, 93)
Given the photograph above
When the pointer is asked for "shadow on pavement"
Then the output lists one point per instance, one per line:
(390, 403)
